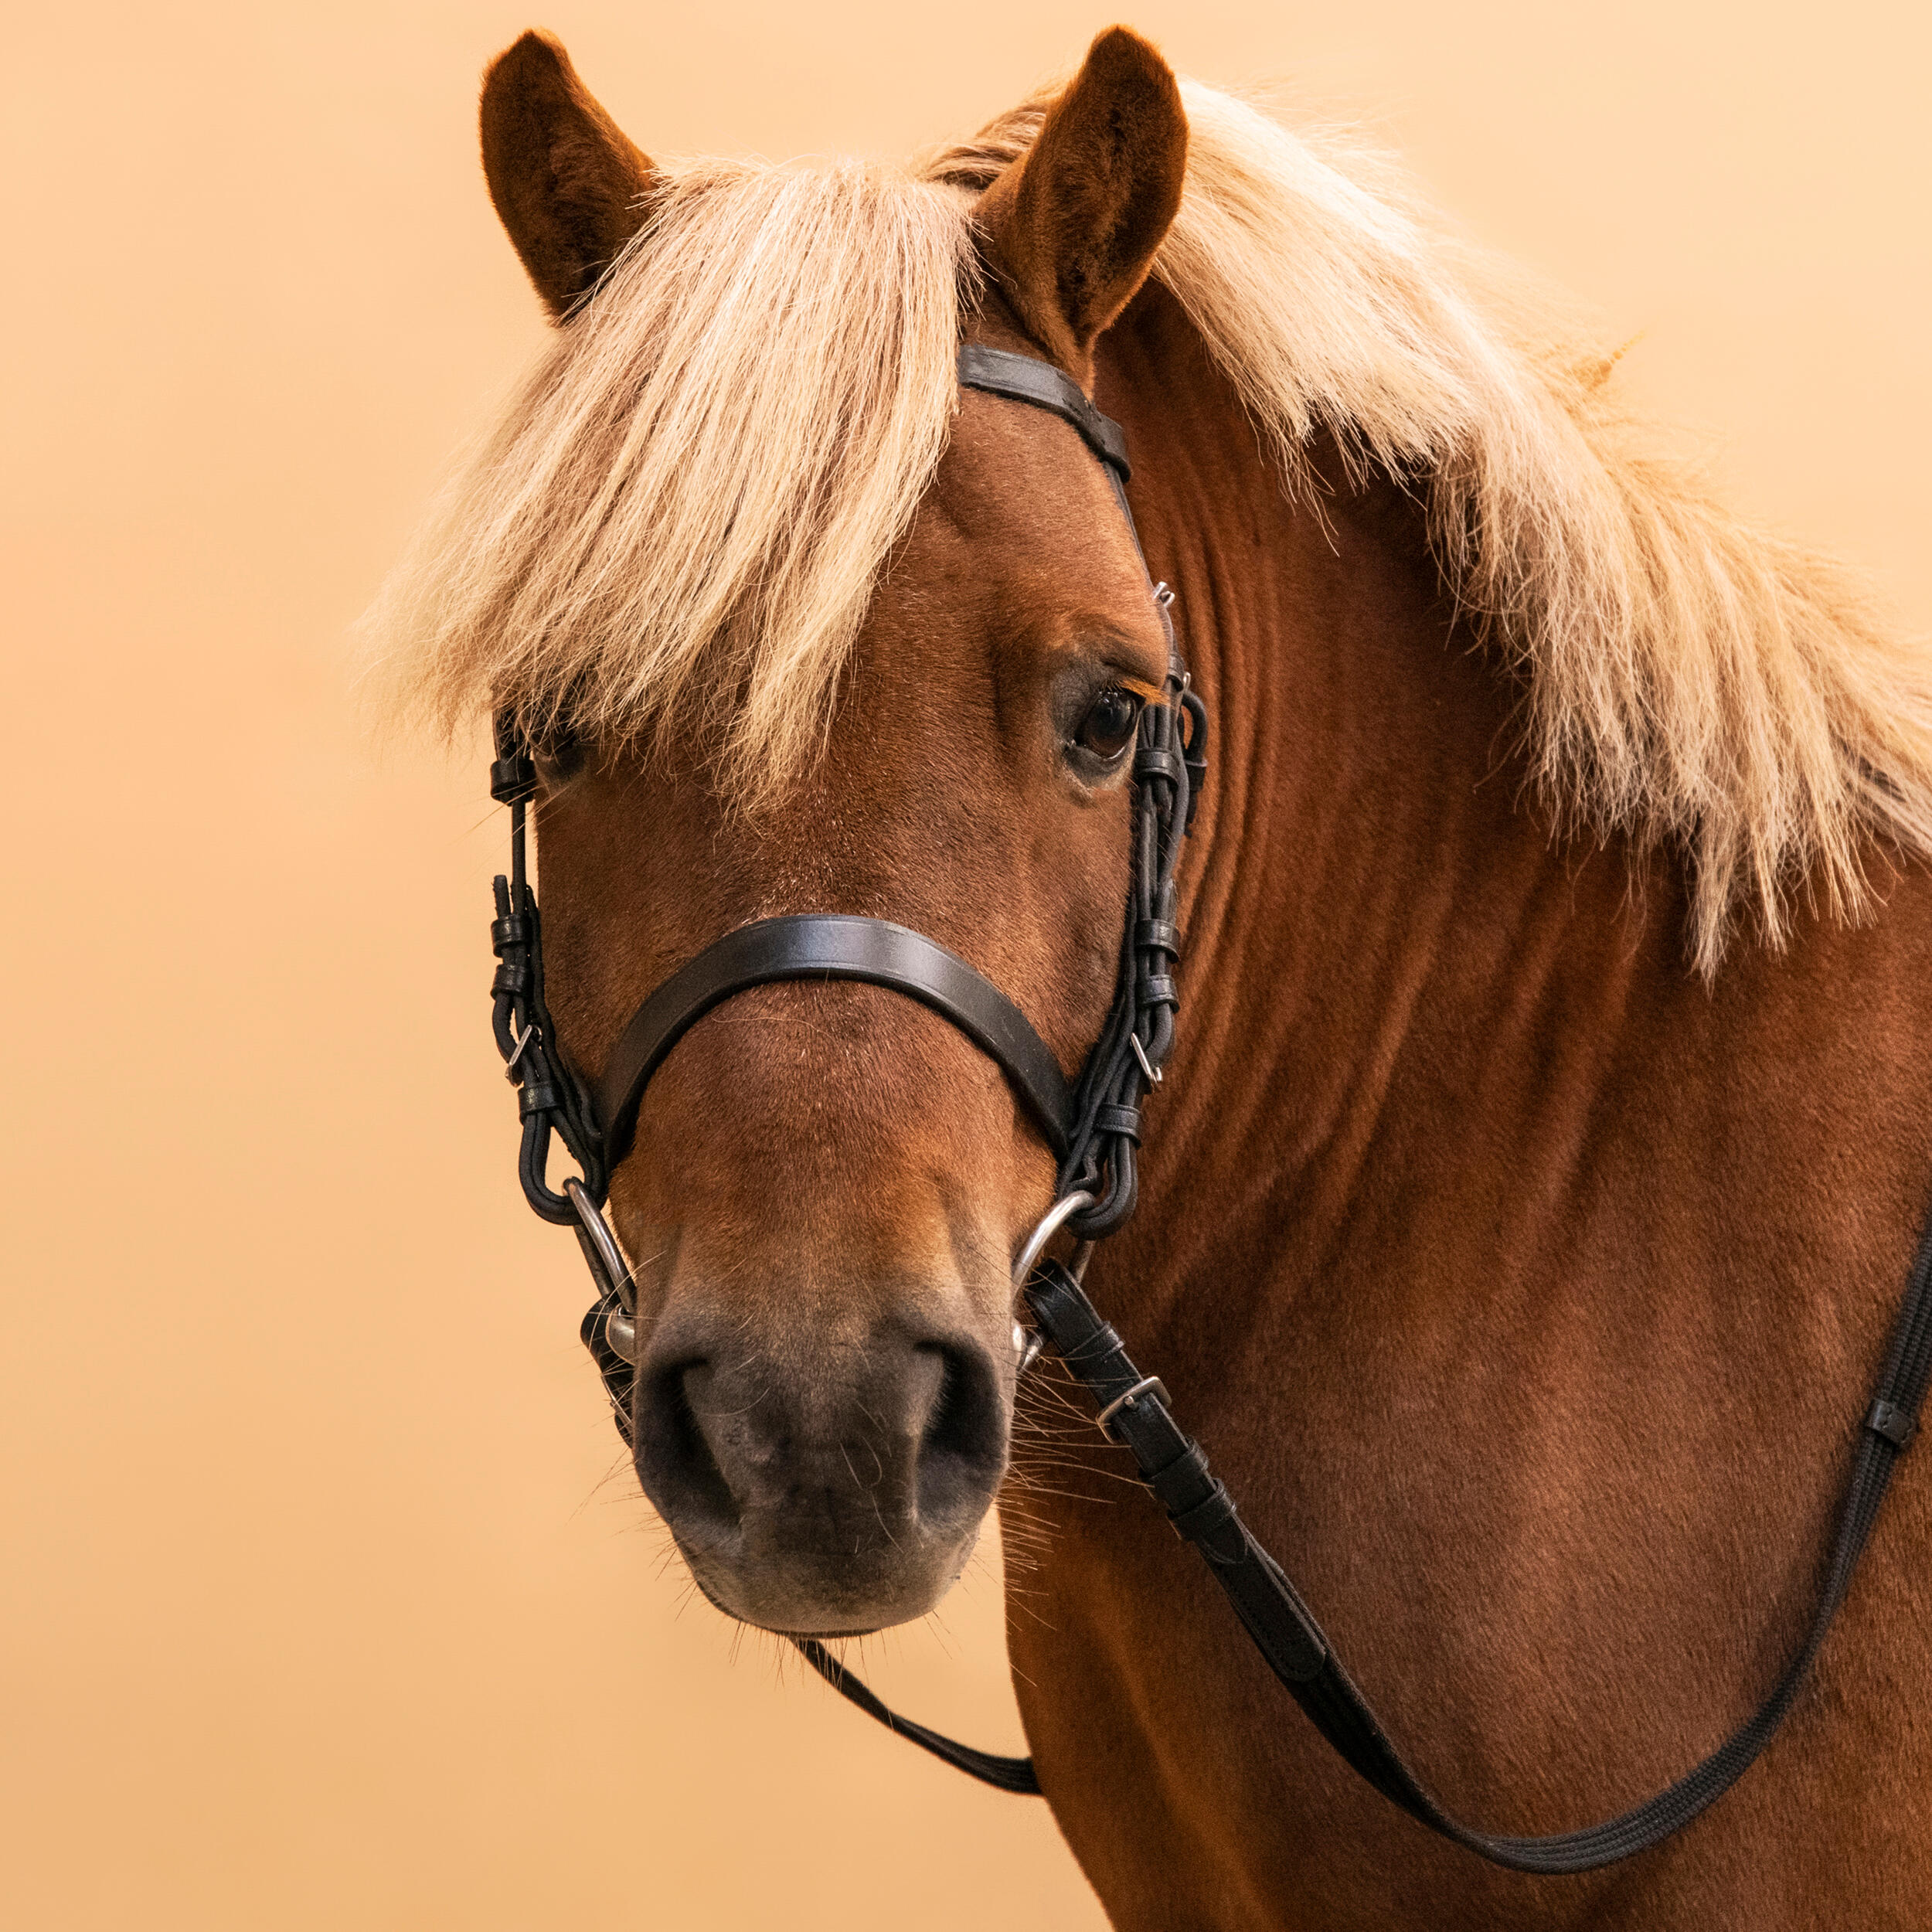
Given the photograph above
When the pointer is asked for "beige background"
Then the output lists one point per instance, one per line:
(325, 1600)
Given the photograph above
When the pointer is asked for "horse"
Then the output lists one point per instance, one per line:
(1543, 1145)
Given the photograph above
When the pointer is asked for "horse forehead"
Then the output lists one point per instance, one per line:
(1019, 545)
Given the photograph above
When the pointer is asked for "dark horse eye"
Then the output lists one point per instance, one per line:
(561, 752)
(1109, 723)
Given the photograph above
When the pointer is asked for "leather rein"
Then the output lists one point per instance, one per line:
(1093, 1125)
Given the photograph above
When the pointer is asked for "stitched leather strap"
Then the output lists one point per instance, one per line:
(829, 946)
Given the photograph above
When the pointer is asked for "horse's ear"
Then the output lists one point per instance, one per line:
(570, 186)
(1069, 229)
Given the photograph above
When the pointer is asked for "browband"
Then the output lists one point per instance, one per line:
(830, 945)
(1024, 378)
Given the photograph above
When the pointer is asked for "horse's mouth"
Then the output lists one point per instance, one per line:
(717, 1592)
(801, 1636)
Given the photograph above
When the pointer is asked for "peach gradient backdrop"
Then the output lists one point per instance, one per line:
(324, 1602)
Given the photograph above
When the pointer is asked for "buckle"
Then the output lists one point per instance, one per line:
(1147, 1385)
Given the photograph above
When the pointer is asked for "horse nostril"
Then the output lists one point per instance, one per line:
(962, 1448)
(673, 1449)
(834, 1480)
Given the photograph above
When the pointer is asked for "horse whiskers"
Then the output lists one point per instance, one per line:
(1036, 1398)
(1024, 1536)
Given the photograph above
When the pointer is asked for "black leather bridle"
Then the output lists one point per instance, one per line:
(1093, 1125)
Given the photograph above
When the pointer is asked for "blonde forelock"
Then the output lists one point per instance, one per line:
(684, 511)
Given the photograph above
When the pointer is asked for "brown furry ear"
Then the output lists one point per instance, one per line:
(569, 185)
(1071, 229)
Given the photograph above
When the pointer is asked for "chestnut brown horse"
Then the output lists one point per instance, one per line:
(1529, 1195)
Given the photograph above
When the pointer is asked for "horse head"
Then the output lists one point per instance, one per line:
(827, 1181)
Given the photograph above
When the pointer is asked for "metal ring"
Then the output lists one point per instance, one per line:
(621, 1336)
(1147, 1385)
(605, 1243)
(1027, 1345)
(1050, 1222)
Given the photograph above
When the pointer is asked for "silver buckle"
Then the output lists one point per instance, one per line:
(1147, 1385)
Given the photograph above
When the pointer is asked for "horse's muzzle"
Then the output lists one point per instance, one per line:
(826, 1481)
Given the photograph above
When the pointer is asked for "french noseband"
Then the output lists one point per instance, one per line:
(1093, 1125)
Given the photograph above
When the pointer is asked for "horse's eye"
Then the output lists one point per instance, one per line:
(1108, 727)
(560, 754)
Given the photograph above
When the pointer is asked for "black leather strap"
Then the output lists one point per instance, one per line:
(1025, 379)
(550, 1097)
(1014, 1774)
(830, 945)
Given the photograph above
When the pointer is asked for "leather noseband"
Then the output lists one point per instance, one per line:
(830, 945)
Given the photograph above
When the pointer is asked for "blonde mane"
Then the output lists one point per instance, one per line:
(693, 498)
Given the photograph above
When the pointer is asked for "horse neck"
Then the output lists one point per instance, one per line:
(1387, 951)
